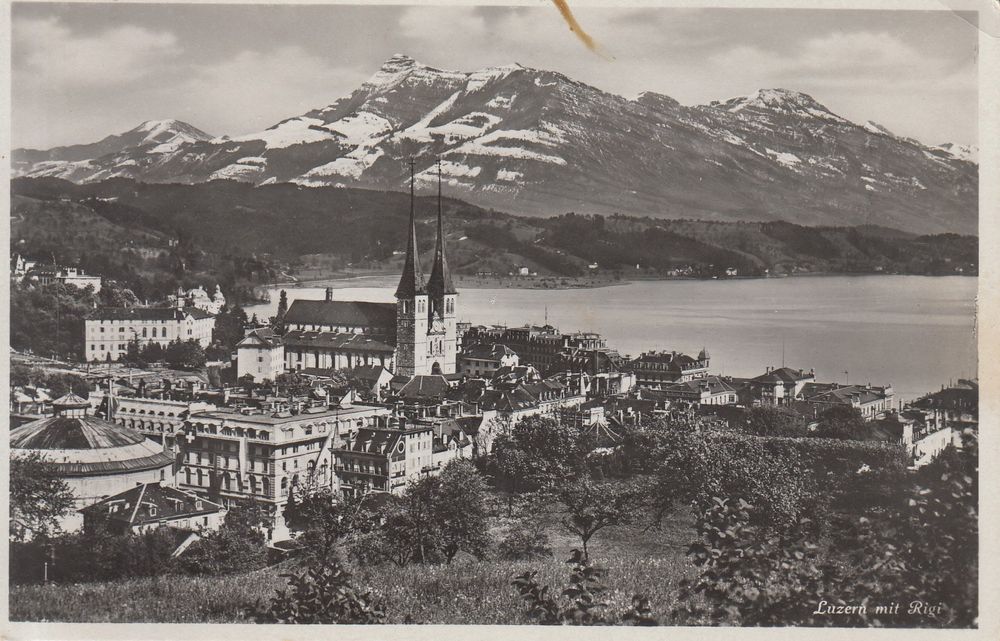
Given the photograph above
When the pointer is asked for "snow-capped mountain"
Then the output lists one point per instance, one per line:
(536, 142)
(88, 161)
(962, 152)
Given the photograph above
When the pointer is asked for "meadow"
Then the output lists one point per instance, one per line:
(468, 591)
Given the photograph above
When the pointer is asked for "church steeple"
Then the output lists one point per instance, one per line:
(440, 282)
(411, 282)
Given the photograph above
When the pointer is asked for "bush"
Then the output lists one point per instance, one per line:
(321, 594)
(584, 606)
(525, 542)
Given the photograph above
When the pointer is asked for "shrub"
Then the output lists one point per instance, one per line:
(584, 606)
(321, 594)
(525, 542)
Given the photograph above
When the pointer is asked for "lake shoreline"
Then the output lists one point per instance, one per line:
(347, 280)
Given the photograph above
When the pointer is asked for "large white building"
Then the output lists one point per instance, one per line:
(108, 331)
(261, 355)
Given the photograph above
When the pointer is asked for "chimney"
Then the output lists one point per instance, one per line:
(329, 294)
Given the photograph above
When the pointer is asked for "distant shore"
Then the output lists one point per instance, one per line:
(345, 280)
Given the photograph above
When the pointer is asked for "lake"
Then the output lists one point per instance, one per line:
(914, 332)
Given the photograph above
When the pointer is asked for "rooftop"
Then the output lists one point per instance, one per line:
(341, 312)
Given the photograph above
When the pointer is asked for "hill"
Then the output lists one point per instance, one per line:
(241, 231)
(539, 143)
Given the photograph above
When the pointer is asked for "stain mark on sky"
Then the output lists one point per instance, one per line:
(575, 27)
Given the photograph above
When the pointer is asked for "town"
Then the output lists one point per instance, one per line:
(358, 397)
(176, 436)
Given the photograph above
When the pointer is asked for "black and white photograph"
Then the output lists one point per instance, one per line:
(546, 314)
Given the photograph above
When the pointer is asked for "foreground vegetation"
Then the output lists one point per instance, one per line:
(467, 591)
(677, 524)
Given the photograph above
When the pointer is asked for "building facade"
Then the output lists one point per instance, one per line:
(108, 331)
(426, 332)
(658, 369)
(234, 456)
(261, 355)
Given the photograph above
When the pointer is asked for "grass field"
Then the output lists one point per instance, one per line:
(468, 591)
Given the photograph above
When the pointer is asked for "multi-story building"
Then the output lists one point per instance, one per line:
(778, 386)
(711, 390)
(261, 354)
(158, 419)
(657, 369)
(77, 278)
(541, 346)
(259, 455)
(385, 458)
(872, 402)
(485, 360)
(108, 331)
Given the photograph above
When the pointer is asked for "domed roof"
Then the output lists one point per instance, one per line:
(72, 433)
(83, 445)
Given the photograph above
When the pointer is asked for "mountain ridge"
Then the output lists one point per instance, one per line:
(537, 142)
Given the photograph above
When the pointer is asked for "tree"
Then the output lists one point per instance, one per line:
(238, 546)
(460, 510)
(133, 353)
(538, 453)
(768, 420)
(278, 322)
(593, 506)
(151, 352)
(842, 422)
(324, 519)
(187, 354)
(114, 294)
(39, 497)
(230, 327)
(696, 467)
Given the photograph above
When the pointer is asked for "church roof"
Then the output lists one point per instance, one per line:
(336, 341)
(411, 282)
(341, 312)
(440, 282)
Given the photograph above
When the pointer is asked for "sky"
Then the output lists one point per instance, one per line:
(83, 71)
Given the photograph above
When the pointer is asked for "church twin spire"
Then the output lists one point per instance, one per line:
(411, 283)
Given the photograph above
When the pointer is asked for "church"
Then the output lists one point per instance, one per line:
(416, 335)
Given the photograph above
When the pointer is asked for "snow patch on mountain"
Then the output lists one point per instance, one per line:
(968, 153)
(785, 158)
(290, 132)
(360, 127)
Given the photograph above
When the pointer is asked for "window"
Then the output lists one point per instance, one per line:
(121, 329)
(144, 332)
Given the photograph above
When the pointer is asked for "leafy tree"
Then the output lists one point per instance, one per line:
(114, 294)
(748, 576)
(593, 506)
(768, 420)
(39, 497)
(133, 354)
(323, 520)
(152, 352)
(237, 546)
(321, 594)
(842, 422)
(460, 509)
(188, 355)
(538, 453)
(696, 467)
(49, 320)
(230, 327)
